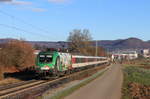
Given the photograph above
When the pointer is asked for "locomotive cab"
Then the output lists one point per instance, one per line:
(45, 62)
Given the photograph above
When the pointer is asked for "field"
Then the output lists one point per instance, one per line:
(138, 62)
(137, 80)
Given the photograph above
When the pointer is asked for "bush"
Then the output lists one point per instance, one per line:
(1, 73)
(18, 54)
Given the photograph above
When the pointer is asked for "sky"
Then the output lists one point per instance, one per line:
(52, 20)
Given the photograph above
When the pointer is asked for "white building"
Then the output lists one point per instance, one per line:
(125, 55)
(36, 52)
(146, 53)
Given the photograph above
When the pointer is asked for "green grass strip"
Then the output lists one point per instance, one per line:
(138, 75)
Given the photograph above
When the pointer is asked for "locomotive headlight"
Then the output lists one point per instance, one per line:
(45, 68)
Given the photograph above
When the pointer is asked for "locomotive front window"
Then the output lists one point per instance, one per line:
(49, 58)
(45, 58)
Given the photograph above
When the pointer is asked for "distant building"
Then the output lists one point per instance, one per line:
(36, 52)
(125, 55)
(145, 53)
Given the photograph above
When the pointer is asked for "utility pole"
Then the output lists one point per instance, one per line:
(96, 48)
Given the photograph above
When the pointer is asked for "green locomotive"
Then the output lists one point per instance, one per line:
(52, 62)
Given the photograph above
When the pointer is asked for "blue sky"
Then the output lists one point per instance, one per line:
(52, 20)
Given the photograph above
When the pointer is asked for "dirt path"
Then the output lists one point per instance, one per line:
(107, 86)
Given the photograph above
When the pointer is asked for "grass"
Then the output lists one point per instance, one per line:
(138, 75)
(134, 75)
(66, 92)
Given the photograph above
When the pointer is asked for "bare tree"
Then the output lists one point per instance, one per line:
(80, 41)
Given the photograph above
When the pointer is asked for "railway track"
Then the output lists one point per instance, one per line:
(35, 88)
(20, 87)
(4, 87)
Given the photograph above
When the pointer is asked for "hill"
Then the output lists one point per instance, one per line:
(130, 43)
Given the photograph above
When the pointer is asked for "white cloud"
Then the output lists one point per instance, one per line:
(19, 2)
(26, 5)
(16, 2)
(38, 9)
(58, 1)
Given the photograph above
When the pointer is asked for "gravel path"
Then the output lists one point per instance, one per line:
(107, 86)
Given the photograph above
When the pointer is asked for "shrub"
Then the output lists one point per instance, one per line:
(1, 73)
(18, 54)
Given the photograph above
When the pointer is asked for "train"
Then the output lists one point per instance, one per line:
(54, 63)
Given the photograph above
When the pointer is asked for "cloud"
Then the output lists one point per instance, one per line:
(57, 1)
(16, 2)
(5, 0)
(26, 5)
(21, 2)
(38, 9)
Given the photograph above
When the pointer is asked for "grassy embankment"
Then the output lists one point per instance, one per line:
(137, 80)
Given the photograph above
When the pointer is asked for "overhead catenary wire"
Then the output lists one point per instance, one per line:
(21, 20)
(24, 22)
(20, 29)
